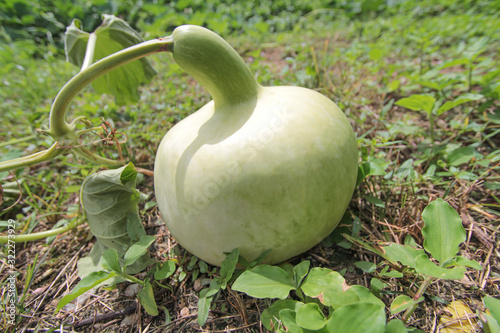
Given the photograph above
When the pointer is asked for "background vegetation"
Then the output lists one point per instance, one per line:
(366, 56)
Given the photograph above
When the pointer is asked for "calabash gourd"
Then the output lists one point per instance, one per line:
(256, 168)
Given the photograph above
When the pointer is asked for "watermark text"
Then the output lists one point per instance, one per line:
(10, 306)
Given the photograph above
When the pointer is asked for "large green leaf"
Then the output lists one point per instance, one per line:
(75, 43)
(357, 318)
(320, 279)
(265, 281)
(365, 295)
(109, 199)
(443, 230)
(112, 35)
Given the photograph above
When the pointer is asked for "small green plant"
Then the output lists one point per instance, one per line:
(109, 199)
(434, 108)
(216, 285)
(320, 300)
(219, 283)
(469, 59)
(317, 300)
(113, 272)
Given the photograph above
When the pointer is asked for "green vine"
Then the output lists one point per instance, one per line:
(59, 128)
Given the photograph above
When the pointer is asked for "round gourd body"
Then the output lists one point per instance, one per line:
(272, 172)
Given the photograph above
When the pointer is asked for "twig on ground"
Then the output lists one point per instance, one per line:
(478, 233)
(106, 316)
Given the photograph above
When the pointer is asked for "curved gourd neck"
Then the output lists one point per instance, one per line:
(214, 64)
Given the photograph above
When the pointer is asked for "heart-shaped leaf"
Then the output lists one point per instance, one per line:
(110, 202)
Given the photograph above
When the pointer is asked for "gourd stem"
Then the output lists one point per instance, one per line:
(42, 234)
(32, 159)
(87, 154)
(19, 140)
(58, 126)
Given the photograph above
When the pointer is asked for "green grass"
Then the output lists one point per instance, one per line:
(364, 58)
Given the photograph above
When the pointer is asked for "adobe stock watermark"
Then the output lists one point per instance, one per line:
(10, 294)
(208, 192)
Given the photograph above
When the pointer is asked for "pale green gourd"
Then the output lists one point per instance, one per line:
(258, 167)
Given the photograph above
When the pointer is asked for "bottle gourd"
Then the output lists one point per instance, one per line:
(256, 168)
